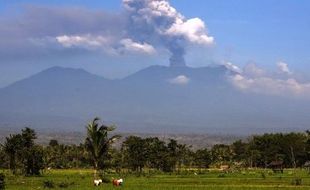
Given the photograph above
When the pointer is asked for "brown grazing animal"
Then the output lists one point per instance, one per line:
(117, 182)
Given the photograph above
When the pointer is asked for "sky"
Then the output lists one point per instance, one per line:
(271, 35)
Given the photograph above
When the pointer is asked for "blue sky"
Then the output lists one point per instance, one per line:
(260, 31)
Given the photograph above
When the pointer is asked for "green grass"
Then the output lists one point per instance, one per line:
(213, 180)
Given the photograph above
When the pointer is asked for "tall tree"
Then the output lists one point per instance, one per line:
(239, 149)
(23, 153)
(203, 158)
(157, 154)
(135, 152)
(32, 154)
(12, 148)
(98, 141)
(221, 153)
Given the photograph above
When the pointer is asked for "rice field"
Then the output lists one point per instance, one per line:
(75, 179)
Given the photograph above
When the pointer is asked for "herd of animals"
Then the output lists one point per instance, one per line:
(115, 182)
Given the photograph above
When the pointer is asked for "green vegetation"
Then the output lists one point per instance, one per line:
(23, 154)
(73, 179)
(150, 163)
(2, 182)
(97, 143)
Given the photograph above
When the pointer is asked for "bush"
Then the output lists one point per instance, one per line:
(263, 175)
(221, 175)
(2, 182)
(63, 185)
(106, 180)
(49, 184)
(296, 181)
(103, 177)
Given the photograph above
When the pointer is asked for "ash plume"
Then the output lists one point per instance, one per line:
(141, 27)
(158, 23)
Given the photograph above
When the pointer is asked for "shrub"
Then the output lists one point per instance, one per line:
(63, 185)
(296, 181)
(2, 182)
(263, 175)
(106, 180)
(49, 184)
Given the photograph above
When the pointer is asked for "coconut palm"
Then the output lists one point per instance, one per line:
(98, 142)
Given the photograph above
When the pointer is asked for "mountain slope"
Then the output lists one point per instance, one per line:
(151, 100)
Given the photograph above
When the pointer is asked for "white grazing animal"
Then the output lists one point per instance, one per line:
(97, 182)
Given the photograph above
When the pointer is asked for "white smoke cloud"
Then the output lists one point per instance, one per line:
(103, 43)
(157, 23)
(131, 46)
(255, 79)
(193, 30)
(86, 41)
(232, 67)
(283, 68)
(152, 8)
(180, 80)
(149, 25)
(253, 71)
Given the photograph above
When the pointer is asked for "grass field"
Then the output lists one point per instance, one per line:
(213, 180)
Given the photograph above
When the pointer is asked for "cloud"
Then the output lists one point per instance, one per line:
(253, 71)
(157, 23)
(131, 46)
(271, 86)
(86, 41)
(193, 30)
(257, 80)
(142, 26)
(180, 80)
(283, 68)
(31, 35)
(103, 43)
(232, 67)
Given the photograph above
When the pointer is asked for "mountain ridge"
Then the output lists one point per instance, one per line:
(149, 100)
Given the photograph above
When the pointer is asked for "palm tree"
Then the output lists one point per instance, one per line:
(98, 142)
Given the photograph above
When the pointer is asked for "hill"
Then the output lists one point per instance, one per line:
(155, 99)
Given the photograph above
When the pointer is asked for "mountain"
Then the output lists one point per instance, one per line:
(155, 99)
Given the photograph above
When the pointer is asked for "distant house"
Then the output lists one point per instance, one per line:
(276, 166)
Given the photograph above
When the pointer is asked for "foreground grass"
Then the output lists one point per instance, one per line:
(214, 180)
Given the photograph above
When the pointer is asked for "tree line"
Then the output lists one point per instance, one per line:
(22, 155)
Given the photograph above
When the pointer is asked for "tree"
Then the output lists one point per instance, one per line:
(173, 152)
(117, 160)
(34, 161)
(239, 149)
(23, 153)
(32, 154)
(134, 150)
(203, 158)
(178, 154)
(157, 154)
(267, 148)
(98, 142)
(53, 143)
(294, 149)
(3, 160)
(12, 147)
(221, 153)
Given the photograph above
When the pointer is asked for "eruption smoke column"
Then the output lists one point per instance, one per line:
(156, 22)
(177, 57)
